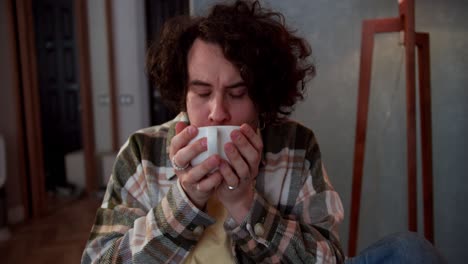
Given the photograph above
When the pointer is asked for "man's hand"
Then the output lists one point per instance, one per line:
(198, 183)
(244, 153)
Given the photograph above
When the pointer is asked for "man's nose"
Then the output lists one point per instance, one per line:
(219, 113)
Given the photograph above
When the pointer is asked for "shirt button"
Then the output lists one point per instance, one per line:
(198, 231)
(259, 229)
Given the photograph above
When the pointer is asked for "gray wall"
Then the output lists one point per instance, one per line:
(334, 30)
(131, 83)
(98, 46)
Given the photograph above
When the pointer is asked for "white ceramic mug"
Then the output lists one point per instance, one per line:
(216, 136)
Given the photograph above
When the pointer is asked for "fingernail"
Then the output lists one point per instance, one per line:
(214, 161)
(204, 142)
(246, 129)
(235, 134)
(191, 130)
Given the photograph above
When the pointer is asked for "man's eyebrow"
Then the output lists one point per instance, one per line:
(230, 86)
(236, 85)
(199, 83)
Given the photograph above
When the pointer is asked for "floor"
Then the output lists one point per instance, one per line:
(57, 238)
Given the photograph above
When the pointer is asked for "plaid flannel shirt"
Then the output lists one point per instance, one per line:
(146, 217)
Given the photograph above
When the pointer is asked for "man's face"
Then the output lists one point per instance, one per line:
(216, 93)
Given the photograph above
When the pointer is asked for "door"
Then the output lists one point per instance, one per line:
(58, 85)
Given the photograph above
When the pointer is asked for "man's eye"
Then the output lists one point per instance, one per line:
(238, 94)
(204, 95)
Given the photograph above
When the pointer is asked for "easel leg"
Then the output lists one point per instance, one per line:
(422, 42)
(367, 46)
(369, 28)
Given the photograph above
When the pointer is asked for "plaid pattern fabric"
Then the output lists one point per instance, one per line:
(146, 217)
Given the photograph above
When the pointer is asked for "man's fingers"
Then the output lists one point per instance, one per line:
(228, 174)
(183, 137)
(250, 154)
(210, 182)
(185, 155)
(239, 165)
(180, 126)
(197, 173)
(252, 136)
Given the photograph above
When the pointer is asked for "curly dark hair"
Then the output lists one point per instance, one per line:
(271, 59)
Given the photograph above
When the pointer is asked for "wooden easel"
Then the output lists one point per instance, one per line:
(412, 39)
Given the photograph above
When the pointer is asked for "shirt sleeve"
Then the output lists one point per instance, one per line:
(306, 234)
(129, 229)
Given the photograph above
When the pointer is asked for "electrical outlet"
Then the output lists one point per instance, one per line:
(126, 99)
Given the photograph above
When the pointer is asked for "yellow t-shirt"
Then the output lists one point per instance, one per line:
(214, 246)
